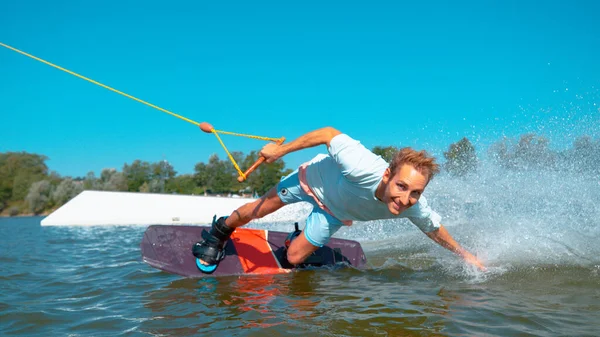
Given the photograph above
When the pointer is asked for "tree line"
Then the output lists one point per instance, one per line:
(526, 152)
(27, 186)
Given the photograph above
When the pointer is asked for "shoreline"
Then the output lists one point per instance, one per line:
(31, 215)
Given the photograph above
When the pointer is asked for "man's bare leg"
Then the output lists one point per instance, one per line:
(259, 208)
(300, 249)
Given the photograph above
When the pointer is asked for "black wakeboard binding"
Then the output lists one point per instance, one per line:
(211, 248)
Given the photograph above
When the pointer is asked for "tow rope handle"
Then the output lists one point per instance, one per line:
(257, 163)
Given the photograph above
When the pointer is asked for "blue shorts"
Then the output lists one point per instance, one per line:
(320, 225)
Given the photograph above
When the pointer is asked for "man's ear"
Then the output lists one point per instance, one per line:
(387, 175)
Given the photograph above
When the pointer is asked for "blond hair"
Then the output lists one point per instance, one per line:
(420, 160)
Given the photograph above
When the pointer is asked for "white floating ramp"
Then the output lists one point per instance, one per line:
(92, 208)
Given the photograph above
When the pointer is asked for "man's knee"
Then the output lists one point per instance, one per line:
(300, 249)
(296, 257)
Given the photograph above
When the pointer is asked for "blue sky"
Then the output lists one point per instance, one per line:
(387, 73)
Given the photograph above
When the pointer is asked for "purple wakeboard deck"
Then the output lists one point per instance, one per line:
(249, 251)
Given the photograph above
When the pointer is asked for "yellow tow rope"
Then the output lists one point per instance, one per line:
(204, 126)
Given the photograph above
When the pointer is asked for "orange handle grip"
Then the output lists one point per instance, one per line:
(258, 162)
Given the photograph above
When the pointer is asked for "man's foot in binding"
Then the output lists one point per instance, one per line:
(210, 251)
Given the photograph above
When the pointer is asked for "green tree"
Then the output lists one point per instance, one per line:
(585, 144)
(65, 191)
(162, 170)
(223, 176)
(532, 151)
(266, 175)
(218, 176)
(54, 178)
(18, 170)
(499, 153)
(136, 174)
(201, 175)
(161, 173)
(461, 158)
(112, 180)
(183, 184)
(22, 183)
(584, 157)
(145, 188)
(387, 153)
(156, 186)
(529, 152)
(38, 197)
(90, 181)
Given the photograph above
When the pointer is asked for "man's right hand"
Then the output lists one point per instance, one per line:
(272, 152)
(471, 259)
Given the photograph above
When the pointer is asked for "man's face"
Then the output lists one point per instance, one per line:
(402, 189)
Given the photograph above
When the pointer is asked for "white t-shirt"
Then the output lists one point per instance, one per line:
(345, 181)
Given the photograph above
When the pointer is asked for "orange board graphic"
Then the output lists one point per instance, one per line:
(255, 253)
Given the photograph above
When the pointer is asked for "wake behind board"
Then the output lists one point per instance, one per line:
(248, 251)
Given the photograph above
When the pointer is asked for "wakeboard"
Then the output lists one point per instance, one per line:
(248, 251)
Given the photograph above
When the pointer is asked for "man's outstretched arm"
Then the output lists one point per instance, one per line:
(444, 239)
(323, 136)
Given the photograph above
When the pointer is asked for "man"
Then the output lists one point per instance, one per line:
(351, 183)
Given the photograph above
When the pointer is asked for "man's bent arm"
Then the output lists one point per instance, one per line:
(323, 136)
(444, 239)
